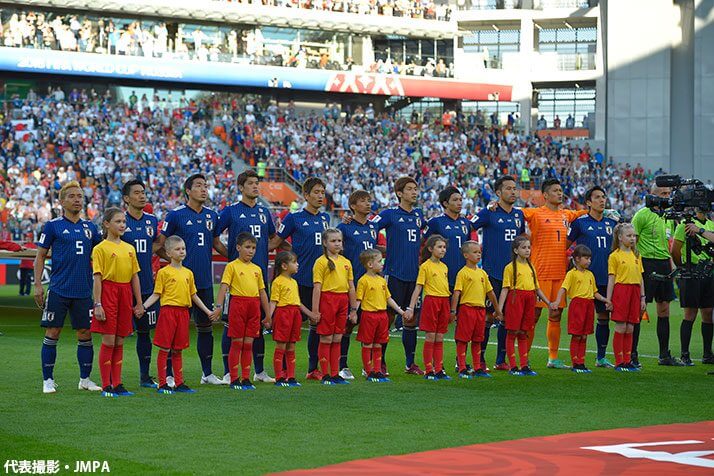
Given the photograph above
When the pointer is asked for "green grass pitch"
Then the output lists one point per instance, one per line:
(272, 429)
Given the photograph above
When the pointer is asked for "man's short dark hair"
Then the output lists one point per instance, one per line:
(501, 180)
(445, 195)
(126, 188)
(549, 183)
(311, 183)
(188, 184)
(596, 188)
(244, 176)
(402, 182)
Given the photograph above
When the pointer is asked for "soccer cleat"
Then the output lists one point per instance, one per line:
(430, 376)
(579, 369)
(165, 390)
(170, 381)
(211, 380)
(382, 378)
(337, 380)
(346, 374)
(464, 374)
(384, 369)
(372, 377)
(235, 385)
(149, 382)
(413, 369)
(687, 360)
(183, 388)
(502, 366)
(528, 372)
(557, 364)
(108, 392)
(122, 392)
(86, 384)
(484, 367)
(327, 380)
(622, 368)
(315, 375)
(293, 383)
(263, 377)
(281, 382)
(670, 361)
(632, 367)
(247, 384)
(227, 379)
(481, 374)
(708, 359)
(441, 375)
(515, 372)
(604, 363)
(49, 386)
(364, 373)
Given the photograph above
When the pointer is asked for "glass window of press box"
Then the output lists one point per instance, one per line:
(577, 103)
(575, 47)
(420, 56)
(492, 44)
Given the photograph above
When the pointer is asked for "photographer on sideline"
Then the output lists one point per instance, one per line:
(695, 293)
(653, 232)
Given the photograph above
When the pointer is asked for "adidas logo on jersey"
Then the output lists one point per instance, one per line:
(356, 232)
(590, 228)
(305, 223)
(65, 232)
(242, 215)
(128, 229)
(189, 222)
(448, 227)
(500, 220)
(401, 220)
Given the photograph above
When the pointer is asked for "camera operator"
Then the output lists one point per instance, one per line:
(695, 292)
(653, 232)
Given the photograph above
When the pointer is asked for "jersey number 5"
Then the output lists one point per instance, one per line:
(79, 248)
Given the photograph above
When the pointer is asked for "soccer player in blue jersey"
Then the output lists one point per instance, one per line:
(500, 227)
(305, 229)
(404, 224)
(595, 231)
(248, 216)
(71, 240)
(142, 232)
(358, 235)
(196, 225)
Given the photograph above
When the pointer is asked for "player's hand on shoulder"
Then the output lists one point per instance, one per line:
(491, 207)
(347, 218)
(612, 214)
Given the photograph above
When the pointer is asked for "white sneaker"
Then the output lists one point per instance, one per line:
(170, 381)
(263, 377)
(346, 374)
(211, 379)
(364, 373)
(86, 384)
(49, 386)
(227, 379)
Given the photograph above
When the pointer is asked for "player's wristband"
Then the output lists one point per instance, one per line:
(97, 304)
(353, 309)
(407, 308)
(453, 311)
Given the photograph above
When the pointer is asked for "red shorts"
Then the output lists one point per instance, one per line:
(117, 302)
(626, 299)
(334, 308)
(471, 324)
(244, 317)
(581, 317)
(287, 321)
(172, 328)
(520, 310)
(373, 327)
(435, 313)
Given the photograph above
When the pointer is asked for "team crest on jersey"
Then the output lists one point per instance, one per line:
(209, 224)
(263, 219)
(608, 229)
(150, 231)
(373, 234)
(518, 222)
(88, 233)
(418, 222)
(464, 230)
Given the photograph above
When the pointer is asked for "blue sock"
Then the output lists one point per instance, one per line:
(313, 342)
(501, 351)
(409, 339)
(602, 336)
(484, 343)
(344, 350)
(204, 346)
(143, 352)
(259, 353)
(384, 354)
(49, 356)
(85, 356)
(169, 367)
(225, 349)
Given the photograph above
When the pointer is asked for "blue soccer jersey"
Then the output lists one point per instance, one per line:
(500, 228)
(357, 237)
(141, 234)
(197, 230)
(257, 221)
(596, 235)
(72, 245)
(305, 229)
(456, 232)
(403, 241)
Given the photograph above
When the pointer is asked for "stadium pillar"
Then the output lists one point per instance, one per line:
(524, 91)
(681, 138)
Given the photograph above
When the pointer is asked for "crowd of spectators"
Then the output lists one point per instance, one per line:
(157, 39)
(90, 137)
(417, 9)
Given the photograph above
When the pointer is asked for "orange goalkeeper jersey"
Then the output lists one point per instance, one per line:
(549, 237)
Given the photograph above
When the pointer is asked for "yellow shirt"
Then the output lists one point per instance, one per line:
(373, 292)
(285, 292)
(337, 281)
(580, 284)
(243, 279)
(526, 279)
(115, 262)
(175, 286)
(435, 278)
(626, 266)
(474, 285)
